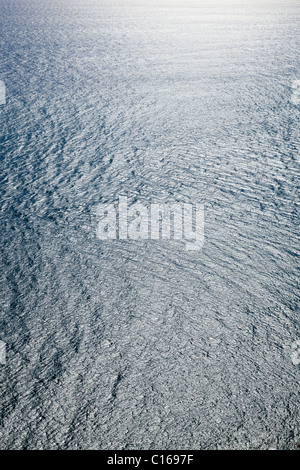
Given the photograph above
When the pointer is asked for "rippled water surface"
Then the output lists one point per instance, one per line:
(141, 344)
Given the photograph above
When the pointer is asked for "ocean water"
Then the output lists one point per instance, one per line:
(128, 344)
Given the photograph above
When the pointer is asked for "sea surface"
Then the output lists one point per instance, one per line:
(141, 344)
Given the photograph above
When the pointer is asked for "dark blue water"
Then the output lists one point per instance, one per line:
(137, 344)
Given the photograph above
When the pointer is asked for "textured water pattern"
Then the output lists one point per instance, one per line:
(141, 344)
